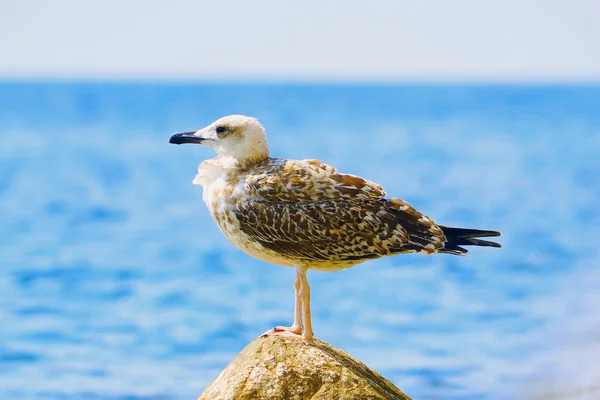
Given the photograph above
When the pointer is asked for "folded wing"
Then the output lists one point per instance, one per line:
(308, 211)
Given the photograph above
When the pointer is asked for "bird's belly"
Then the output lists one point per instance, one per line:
(253, 248)
(230, 226)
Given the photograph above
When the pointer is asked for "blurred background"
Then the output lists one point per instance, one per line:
(116, 284)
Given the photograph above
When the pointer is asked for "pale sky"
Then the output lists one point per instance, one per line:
(397, 40)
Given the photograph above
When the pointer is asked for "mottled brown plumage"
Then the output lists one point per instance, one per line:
(307, 211)
(304, 213)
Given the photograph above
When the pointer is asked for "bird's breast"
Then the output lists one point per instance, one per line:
(223, 192)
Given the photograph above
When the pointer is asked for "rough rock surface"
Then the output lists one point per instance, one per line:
(277, 367)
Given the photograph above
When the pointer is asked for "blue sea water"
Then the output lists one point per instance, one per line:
(116, 284)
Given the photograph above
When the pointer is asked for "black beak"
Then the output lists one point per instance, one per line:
(185, 137)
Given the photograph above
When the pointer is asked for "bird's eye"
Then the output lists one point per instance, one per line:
(221, 129)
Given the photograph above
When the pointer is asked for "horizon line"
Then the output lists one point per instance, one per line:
(320, 81)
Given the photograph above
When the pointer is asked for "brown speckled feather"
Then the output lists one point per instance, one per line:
(306, 210)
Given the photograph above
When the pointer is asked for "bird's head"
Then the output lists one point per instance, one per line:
(238, 137)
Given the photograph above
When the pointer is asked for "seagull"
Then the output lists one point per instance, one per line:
(305, 214)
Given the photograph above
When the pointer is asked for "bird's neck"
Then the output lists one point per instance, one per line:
(222, 167)
(242, 155)
(238, 163)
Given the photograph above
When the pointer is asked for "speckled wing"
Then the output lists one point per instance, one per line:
(306, 210)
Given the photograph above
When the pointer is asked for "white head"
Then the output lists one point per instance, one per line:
(237, 137)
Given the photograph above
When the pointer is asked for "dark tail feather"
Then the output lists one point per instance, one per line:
(456, 237)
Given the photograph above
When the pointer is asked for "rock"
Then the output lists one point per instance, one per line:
(279, 368)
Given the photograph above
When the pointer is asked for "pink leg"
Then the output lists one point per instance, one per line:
(305, 296)
(296, 329)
